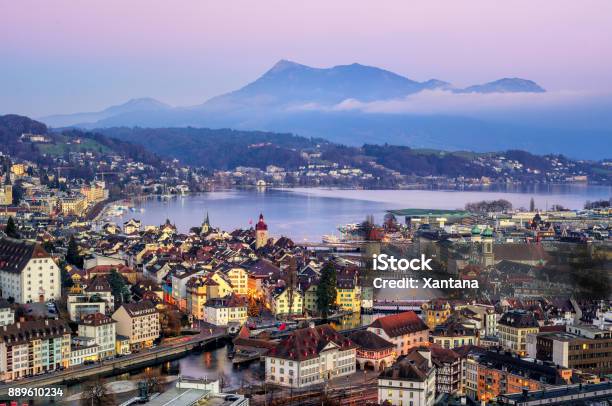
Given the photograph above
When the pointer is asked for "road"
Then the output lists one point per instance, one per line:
(125, 362)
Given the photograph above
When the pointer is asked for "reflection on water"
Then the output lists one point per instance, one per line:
(307, 214)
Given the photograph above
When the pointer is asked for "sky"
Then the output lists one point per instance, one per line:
(66, 56)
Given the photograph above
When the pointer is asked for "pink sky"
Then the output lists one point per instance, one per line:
(65, 56)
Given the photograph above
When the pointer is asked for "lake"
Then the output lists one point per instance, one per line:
(307, 214)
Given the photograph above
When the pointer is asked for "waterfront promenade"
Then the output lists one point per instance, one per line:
(120, 364)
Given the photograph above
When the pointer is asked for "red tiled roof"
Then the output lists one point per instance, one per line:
(306, 343)
(400, 324)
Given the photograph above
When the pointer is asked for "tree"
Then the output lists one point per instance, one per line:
(290, 278)
(72, 255)
(67, 281)
(326, 289)
(254, 307)
(96, 394)
(11, 228)
(119, 287)
(17, 193)
(531, 205)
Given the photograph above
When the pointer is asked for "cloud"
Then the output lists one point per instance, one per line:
(448, 102)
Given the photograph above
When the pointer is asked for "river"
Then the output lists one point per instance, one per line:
(306, 215)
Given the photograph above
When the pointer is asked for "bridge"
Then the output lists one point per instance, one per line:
(119, 365)
(398, 305)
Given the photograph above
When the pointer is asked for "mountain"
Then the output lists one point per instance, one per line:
(505, 85)
(144, 104)
(334, 104)
(288, 83)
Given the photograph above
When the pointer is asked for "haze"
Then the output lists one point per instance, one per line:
(67, 56)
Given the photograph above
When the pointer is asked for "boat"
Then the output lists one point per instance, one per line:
(330, 239)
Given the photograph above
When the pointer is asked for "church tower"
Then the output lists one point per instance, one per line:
(261, 232)
(487, 247)
(205, 226)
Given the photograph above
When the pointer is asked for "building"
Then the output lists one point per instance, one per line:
(73, 205)
(448, 370)
(33, 347)
(6, 195)
(491, 373)
(261, 233)
(27, 272)
(405, 330)
(454, 333)
(97, 297)
(583, 347)
(83, 350)
(436, 312)
(285, 301)
(310, 356)
(7, 314)
(94, 193)
(139, 322)
(179, 276)
(488, 318)
(373, 352)
(410, 381)
(197, 290)
(239, 279)
(513, 327)
(596, 393)
(101, 329)
(348, 291)
(223, 311)
(132, 226)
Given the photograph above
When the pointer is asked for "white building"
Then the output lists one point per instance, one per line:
(139, 322)
(83, 349)
(7, 314)
(101, 329)
(222, 311)
(310, 356)
(27, 272)
(411, 381)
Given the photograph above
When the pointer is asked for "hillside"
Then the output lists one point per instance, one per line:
(58, 144)
(357, 104)
(226, 149)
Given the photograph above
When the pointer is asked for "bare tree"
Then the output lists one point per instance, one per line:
(96, 394)
(290, 278)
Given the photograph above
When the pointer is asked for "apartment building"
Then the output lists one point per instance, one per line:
(411, 381)
(27, 272)
(223, 311)
(101, 329)
(139, 322)
(583, 347)
(513, 328)
(285, 302)
(310, 356)
(33, 347)
(7, 314)
(405, 330)
(491, 373)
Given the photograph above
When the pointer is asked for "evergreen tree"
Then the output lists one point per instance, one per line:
(532, 205)
(326, 290)
(72, 255)
(119, 287)
(11, 228)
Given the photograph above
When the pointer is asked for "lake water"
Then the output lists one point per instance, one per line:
(307, 214)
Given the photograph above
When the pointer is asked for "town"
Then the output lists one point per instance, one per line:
(84, 297)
